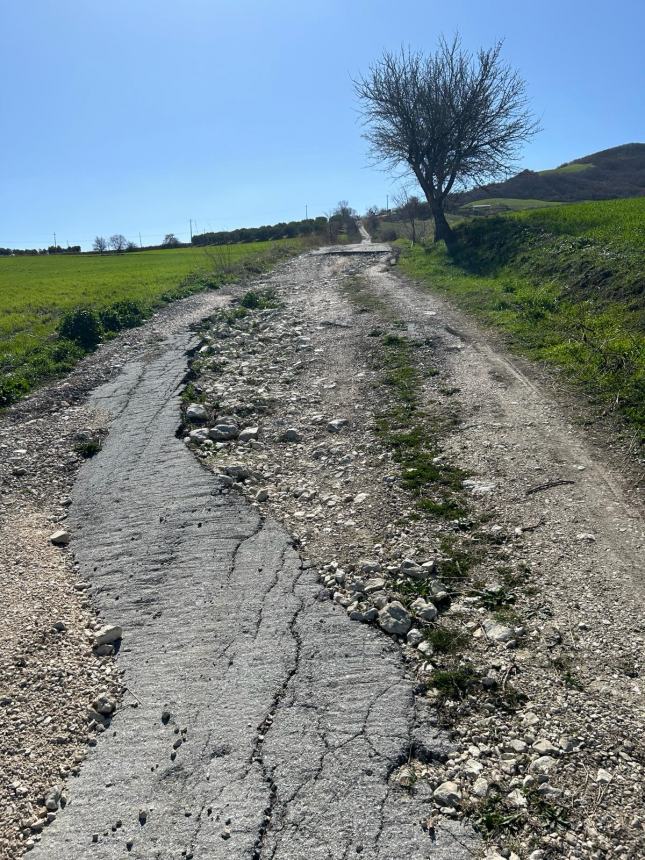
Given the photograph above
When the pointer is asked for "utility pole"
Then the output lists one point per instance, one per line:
(387, 202)
(191, 229)
(306, 212)
(54, 240)
(140, 242)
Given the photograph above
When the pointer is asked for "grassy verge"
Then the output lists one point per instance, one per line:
(563, 291)
(54, 309)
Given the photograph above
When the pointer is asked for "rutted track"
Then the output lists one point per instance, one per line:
(291, 717)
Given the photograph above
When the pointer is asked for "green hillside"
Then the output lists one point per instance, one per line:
(510, 203)
(616, 172)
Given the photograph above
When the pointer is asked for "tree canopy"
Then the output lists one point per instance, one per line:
(451, 118)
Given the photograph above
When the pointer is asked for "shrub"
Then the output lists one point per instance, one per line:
(388, 234)
(124, 314)
(12, 388)
(259, 300)
(83, 326)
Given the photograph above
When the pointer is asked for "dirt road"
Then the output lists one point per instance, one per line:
(261, 720)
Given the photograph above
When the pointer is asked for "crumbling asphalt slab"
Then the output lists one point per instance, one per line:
(259, 721)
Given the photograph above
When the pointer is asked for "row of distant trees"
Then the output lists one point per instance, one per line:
(34, 252)
(118, 243)
(327, 227)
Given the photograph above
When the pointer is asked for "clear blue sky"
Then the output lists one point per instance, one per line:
(135, 115)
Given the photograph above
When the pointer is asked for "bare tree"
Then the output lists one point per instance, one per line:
(451, 118)
(371, 220)
(100, 244)
(170, 241)
(410, 209)
(118, 242)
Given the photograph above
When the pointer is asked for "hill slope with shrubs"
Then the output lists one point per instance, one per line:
(616, 172)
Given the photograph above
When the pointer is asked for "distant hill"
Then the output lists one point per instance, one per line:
(616, 172)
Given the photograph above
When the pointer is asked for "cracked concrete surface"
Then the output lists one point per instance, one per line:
(290, 717)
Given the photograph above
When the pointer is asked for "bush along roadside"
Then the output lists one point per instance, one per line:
(83, 328)
(568, 300)
(420, 563)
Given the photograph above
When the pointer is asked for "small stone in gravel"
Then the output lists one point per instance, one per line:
(394, 618)
(414, 637)
(223, 432)
(412, 569)
(516, 799)
(497, 632)
(480, 787)
(542, 765)
(367, 566)
(603, 776)
(545, 747)
(238, 471)
(60, 538)
(262, 495)
(473, 767)
(337, 424)
(291, 435)
(248, 434)
(196, 412)
(108, 634)
(365, 615)
(374, 584)
(423, 609)
(198, 436)
(447, 794)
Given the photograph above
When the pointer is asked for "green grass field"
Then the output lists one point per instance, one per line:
(616, 221)
(566, 286)
(512, 203)
(35, 293)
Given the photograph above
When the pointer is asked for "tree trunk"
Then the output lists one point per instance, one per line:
(442, 229)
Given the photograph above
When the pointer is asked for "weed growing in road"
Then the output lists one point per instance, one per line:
(454, 683)
(408, 433)
(259, 300)
(565, 667)
(446, 640)
(88, 449)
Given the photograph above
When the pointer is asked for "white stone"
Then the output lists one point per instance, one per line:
(414, 637)
(394, 618)
(60, 537)
(108, 634)
(497, 632)
(516, 799)
(545, 747)
(223, 432)
(423, 609)
(447, 794)
(249, 434)
(480, 787)
(337, 424)
(196, 412)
